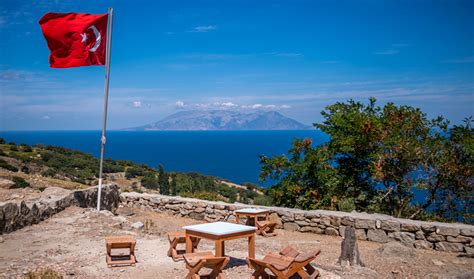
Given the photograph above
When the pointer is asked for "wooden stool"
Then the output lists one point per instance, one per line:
(176, 238)
(120, 242)
(196, 261)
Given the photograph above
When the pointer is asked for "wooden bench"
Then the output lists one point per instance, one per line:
(120, 242)
(176, 238)
(195, 262)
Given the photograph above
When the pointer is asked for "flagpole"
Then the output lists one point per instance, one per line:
(106, 98)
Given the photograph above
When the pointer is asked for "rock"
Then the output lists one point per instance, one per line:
(302, 223)
(445, 230)
(437, 262)
(405, 238)
(469, 251)
(120, 219)
(459, 239)
(138, 225)
(428, 228)
(335, 221)
(409, 227)
(331, 231)
(378, 224)
(312, 229)
(396, 249)
(467, 232)
(274, 218)
(326, 221)
(174, 207)
(434, 237)
(390, 225)
(420, 235)
(2, 240)
(364, 224)
(360, 233)
(423, 244)
(349, 249)
(341, 231)
(377, 236)
(347, 221)
(291, 226)
(449, 246)
(199, 209)
(196, 215)
(299, 216)
(6, 183)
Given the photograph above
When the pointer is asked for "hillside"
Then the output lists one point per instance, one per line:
(223, 120)
(23, 166)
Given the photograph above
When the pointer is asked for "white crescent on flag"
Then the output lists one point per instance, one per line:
(98, 38)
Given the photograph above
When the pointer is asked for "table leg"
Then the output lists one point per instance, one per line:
(237, 218)
(189, 244)
(267, 217)
(252, 246)
(219, 248)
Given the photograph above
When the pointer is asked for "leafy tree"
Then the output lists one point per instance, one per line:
(374, 160)
(163, 179)
(150, 181)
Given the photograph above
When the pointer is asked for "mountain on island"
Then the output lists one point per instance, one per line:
(223, 120)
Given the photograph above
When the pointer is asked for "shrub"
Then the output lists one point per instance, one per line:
(150, 181)
(347, 205)
(133, 172)
(49, 172)
(43, 274)
(13, 148)
(20, 182)
(2, 153)
(7, 166)
(2, 141)
(25, 148)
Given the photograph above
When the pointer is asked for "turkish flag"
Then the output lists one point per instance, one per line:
(75, 39)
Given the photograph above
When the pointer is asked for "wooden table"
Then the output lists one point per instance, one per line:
(251, 213)
(220, 232)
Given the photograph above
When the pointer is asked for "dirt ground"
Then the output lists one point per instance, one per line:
(72, 243)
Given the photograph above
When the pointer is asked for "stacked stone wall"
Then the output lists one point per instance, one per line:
(14, 216)
(451, 237)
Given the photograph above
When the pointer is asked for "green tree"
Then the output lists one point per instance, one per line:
(150, 181)
(163, 178)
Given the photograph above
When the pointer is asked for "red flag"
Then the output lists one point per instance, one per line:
(75, 39)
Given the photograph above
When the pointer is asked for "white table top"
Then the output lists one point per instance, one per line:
(220, 228)
(252, 210)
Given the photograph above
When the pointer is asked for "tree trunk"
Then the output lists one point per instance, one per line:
(349, 249)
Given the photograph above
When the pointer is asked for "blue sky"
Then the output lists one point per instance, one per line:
(295, 57)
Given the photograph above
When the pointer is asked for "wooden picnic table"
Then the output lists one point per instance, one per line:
(253, 213)
(219, 232)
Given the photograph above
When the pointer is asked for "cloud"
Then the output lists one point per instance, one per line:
(46, 117)
(179, 104)
(203, 28)
(387, 52)
(288, 54)
(137, 104)
(464, 60)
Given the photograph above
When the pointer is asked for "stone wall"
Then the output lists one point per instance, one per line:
(14, 216)
(372, 227)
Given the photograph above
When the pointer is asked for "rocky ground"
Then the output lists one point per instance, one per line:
(72, 243)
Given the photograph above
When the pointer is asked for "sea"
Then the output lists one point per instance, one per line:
(232, 155)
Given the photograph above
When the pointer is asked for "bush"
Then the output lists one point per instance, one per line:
(20, 182)
(7, 166)
(347, 205)
(262, 200)
(2, 141)
(25, 148)
(133, 172)
(49, 172)
(43, 274)
(2, 153)
(150, 181)
(13, 148)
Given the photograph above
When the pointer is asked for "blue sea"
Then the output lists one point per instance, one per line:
(233, 155)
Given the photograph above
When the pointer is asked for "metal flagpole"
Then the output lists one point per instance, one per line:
(106, 98)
